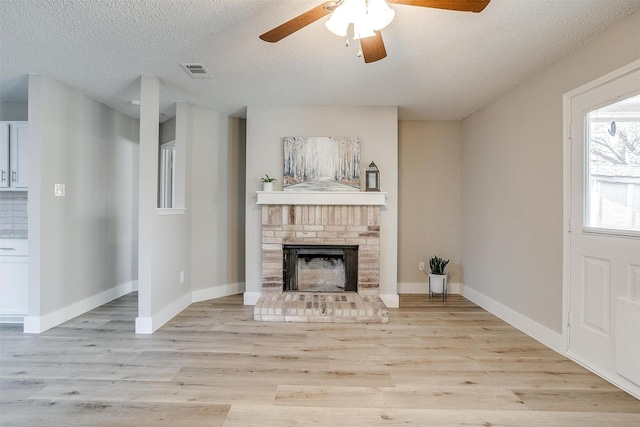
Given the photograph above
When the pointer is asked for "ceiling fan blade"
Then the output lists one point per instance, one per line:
(460, 5)
(297, 23)
(373, 48)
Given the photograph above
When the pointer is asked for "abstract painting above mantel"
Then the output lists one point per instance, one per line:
(321, 163)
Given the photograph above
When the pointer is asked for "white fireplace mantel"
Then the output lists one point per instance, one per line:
(361, 198)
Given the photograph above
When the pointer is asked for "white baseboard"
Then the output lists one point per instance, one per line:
(390, 300)
(148, 325)
(217, 291)
(423, 288)
(251, 298)
(541, 333)
(38, 324)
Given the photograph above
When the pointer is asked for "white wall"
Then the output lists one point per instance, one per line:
(377, 128)
(164, 234)
(10, 110)
(82, 246)
(217, 203)
(430, 201)
(512, 184)
(204, 237)
(168, 130)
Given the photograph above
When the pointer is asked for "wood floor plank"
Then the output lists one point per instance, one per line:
(109, 414)
(14, 389)
(585, 400)
(95, 370)
(397, 397)
(154, 391)
(241, 415)
(248, 377)
(435, 364)
(537, 380)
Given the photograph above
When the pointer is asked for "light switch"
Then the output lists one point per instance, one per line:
(59, 190)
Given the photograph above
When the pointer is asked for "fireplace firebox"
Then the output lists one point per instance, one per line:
(320, 268)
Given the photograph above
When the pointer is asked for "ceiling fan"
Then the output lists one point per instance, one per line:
(368, 18)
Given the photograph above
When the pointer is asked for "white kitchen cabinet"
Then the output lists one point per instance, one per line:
(14, 275)
(13, 155)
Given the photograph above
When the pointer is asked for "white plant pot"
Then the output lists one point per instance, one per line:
(267, 186)
(437, 283)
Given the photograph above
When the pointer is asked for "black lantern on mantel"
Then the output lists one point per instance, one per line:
(372, 181)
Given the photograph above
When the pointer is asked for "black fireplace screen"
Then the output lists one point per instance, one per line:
(320, 268)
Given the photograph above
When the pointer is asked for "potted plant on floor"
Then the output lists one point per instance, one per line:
(267, 183)
(438, 277)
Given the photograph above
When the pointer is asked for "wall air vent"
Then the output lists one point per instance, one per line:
(197, 71)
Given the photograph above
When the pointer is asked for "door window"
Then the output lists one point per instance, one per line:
(612, 168)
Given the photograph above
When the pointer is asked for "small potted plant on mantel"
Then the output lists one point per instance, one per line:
(438, 278)
(267, 183)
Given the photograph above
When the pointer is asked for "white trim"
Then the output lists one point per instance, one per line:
(251, 298)
(360, 198)
(422, 288)
(614, 378)
(611, 232)
(38, 324)
(390, 300)
(171, 211)
(144, 324)
(148, 325)
(217, 291)
(566, 219)
(541, 333)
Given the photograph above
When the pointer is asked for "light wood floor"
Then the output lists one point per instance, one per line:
(435, 363)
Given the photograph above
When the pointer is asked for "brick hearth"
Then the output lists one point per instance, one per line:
(326, 307)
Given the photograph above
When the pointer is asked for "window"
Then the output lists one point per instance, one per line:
(612, 181)
(167, 174)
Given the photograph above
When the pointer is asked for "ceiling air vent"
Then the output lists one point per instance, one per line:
(197, 71)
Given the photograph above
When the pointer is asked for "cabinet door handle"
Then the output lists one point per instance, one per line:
(7, 249)
(13, 176)
(4, 174)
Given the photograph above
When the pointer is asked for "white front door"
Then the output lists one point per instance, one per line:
(604, 241)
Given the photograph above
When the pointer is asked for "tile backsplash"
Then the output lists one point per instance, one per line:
(13, 214)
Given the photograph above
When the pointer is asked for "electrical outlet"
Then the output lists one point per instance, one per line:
(59, 190)
(182, 277)
(421, 266)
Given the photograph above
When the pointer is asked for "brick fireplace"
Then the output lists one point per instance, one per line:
(321, 225)
(306, 220)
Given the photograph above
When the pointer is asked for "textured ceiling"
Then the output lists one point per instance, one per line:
(440, 64)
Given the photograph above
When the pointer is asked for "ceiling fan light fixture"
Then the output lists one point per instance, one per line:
(380, 14)
(363, 29)
(366, 16)
(338, 22)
